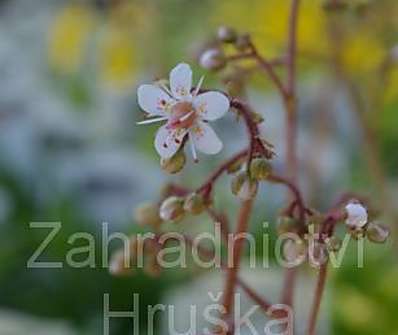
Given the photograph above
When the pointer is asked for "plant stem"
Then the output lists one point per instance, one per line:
(317, 298)
(292, 47)
(208, 184)
(232, 271)
(267, 66)
(295, 191)
(290, 103)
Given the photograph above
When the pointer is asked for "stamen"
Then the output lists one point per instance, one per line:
(199, 86)
(157, 119)
(186, 116)
(166, 89)
(193, 149)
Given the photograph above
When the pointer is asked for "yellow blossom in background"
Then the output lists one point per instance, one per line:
(358, 311)
(267, 21)
(272, 25)
(117, 58)
(362, 53)
(137, 17)
(127, 24)
(391, 93)
(68, 35)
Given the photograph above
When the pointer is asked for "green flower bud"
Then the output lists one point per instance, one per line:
(243, 42)
(236, 166)
(315, 220)
(213, 59)
(260, 169)
(286, 224)
(147, 214)
(244, 187)
(172, 209)
(357, 233)
(256, 117)
(175, 163)
(226, 34)
(333, 243)
(377, 233)
(194, 204)
(294, 250)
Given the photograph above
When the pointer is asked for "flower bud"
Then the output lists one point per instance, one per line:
(147, 214)
(357, 215)
(315, 219)
(294, 250)
(256, 117)
(243, 42)
(119, 265)
(286, 224)
(333, 243)
(213, 59)
(357, 233)
(194, 204)
(377, 233)
(226, 34)
(244, 187)
(318, 253)
(236, 166)
(175, 163)
(172, 209)
(260, 169)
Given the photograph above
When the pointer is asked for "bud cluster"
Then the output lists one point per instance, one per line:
(175, 163)
(174, 208)
(357, 222)
(214, 58)
(244, 183)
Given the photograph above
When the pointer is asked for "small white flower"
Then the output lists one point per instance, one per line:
(186, 113)
(357, 215)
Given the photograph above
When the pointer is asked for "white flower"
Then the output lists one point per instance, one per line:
(357, 215)
(186, 113)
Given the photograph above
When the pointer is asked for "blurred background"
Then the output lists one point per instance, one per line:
(70, 150)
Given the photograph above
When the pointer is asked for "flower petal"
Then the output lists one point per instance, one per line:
(153, 99)
(168, 141)
(181, 81)
(211, 105)
(205, 139)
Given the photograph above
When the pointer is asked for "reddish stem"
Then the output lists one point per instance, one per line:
(291, 128)
(295, 191)
(320, 287)
(232, 272)
(261, 301)
(208, 184)
(256, 144)
(269, 70)
(292, 48)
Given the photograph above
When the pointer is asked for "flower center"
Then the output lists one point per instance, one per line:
(183, 115)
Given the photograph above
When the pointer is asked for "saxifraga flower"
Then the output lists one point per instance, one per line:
(185, 111)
